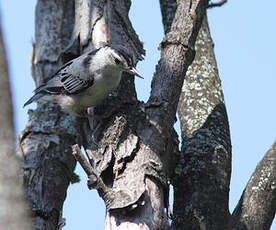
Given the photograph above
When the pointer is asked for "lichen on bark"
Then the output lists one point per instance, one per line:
(204, 164)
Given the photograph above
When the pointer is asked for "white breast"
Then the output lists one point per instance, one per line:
(103, 85)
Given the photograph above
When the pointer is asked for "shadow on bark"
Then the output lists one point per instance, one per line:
(201, 187)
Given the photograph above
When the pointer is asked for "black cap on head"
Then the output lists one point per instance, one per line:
(122, 51)
(126, 57)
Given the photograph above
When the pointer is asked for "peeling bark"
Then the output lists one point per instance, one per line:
(49, 134)
(144, 215)
(134, 156)
(98, 22)
(136, 142)
(257, 206)
(13, 208)
(137, 148)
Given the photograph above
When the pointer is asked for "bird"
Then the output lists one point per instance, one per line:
(86, 80)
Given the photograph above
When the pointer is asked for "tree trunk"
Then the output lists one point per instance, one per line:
(49, 134)
(14, 214)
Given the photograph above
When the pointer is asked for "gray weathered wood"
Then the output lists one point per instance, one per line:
(257, 206)
(168, 8)
(136, 146)
(136, 142)
(49, 134)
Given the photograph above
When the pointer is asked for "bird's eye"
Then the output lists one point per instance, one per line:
(117, 61)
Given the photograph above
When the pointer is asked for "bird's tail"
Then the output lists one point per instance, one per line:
(33, 98)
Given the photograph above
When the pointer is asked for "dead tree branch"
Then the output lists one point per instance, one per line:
(257, 206)
(217, 4)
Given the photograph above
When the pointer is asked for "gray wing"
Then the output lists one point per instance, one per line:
(66, 84)
(72, 84)
(71, 78)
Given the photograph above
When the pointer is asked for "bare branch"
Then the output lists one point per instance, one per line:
(257, 206)
(82, 160)
(93, 179)
(220, 3)
(177, 53)
(205, 160)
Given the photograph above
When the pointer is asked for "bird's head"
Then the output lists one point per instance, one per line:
(122, 59)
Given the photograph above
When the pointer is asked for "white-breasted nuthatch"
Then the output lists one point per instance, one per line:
(85, 81)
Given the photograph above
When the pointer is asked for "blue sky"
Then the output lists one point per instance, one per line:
(244, 35)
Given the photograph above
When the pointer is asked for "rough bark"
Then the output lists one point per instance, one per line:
(49, 134)
(168, 9)
(136, 142)
(202, 111)
(136, 145)
(13, 207)
(204, 169)
(202, 176)
(257, 206)
(119, 171)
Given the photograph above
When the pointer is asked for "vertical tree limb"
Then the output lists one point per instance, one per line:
(202, 177)
(257, 206)
(177, 53)
(49, 134)
(204, 169)
(168, 9)
(14, 214)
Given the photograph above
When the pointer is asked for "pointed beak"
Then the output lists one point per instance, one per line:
(135, 72)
